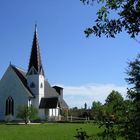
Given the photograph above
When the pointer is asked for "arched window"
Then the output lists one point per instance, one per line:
(41, 85)
(32, 85)
(9, 106)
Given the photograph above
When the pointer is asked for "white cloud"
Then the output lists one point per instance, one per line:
(78, 95)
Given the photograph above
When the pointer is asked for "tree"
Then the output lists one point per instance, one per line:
(133, 73)
(96, 109)
(81, 134)
(133, 93)
(111, 115)
(125, 17)
(96, 105)
(114, 105)
(27, 113)
(114, 97)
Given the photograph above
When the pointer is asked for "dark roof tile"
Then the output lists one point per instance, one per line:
(47, 103)
(35, 58)
(62, 103)
(49, 91)
(21, 74)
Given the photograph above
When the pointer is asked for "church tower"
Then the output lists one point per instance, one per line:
(35, 74)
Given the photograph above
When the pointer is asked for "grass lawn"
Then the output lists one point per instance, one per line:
(48, 131)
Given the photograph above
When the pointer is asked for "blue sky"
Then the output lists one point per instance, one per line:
(87, 68)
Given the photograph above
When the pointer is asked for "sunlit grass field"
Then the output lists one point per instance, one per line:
(47, 131)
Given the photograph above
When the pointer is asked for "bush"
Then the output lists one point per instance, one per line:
(27, 113)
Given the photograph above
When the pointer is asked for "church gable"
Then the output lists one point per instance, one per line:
(22, 76)
(12, 92)
(32, 71)
(11, 84)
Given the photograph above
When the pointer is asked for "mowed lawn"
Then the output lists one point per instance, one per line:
(48, 131)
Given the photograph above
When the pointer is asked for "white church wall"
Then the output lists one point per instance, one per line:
(57, 112)
(54, 112)
(41, 87)
(50, 112)
(38, 91)
(11, 85)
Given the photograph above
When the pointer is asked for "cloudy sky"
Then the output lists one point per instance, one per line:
(88, 68)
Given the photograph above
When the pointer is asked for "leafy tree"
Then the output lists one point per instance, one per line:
(27, 113)
(126, 121)
(114, 105)
(133, 79)
(110, 115)
(114, 97)
(125, 17)
(96, 105)
(81, 134)
(110, 131)
(97, 110)
(133, 72)
(124, 114)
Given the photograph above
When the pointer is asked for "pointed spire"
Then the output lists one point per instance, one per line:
(35, 58)
(36, 27)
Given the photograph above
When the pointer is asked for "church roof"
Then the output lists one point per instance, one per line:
(49, 91)
(52, 102)
(62, 103)
(51, 95)
(35, 57)
(21, 74)
(49, 102)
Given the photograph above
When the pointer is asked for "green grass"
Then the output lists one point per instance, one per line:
(49, 131)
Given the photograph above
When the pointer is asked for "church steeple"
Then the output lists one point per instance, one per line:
(35, 57)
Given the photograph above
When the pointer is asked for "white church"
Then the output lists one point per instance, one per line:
(20, 88)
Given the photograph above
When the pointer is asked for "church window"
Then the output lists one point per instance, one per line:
(32, 85)
(9, 106)
(41, 85)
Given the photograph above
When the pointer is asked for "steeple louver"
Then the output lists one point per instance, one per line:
(35, 58)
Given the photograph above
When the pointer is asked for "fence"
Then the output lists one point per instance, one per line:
(72, 118)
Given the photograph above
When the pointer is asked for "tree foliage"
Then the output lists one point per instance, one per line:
(125, 17)
(96, 105)
(114, 98)
(109, 114)
(113, 107)
(123, 114)
(81, 134)
(133, 79)
(133, 73)
(97, 110)
(27, 113)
